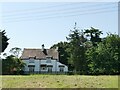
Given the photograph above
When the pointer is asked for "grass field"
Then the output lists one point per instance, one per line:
(59, 81)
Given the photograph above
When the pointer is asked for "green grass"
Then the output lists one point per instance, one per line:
(59, 81)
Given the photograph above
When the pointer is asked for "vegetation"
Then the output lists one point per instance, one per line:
(12, 65)
(59, 81)
(77, 50)
(87, 53)
(63, 51)
(94, 35)
(104, 59)
(15, 51)
(3, 40)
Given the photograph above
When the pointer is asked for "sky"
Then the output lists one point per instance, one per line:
(31, 24)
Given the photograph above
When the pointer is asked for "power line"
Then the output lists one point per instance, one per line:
(28, 19)
(65, 15)
(38, 9)
(14, 11)
(43, 15)
(52, 14)
(58, 11)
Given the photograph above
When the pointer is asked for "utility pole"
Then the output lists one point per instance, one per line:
(119, 18)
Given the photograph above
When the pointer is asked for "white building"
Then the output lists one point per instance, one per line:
(42, 61)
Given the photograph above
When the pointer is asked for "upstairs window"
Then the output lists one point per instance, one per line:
(31, 61)
(32, 57)
(48, 61)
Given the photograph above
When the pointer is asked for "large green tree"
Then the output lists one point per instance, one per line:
(112, 43)
(3, 41)
(93, 55)
(77, 53)
(104, 59)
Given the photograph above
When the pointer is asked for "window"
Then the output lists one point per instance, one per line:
(32, 57)
(50, 68)
(31, 61)
(31, 68)
(48, 61)
(61, 69)
(48, 57)
(43, 67)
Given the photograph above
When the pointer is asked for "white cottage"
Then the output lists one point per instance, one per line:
(42, 61)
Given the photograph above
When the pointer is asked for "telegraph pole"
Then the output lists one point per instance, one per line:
(119, 18)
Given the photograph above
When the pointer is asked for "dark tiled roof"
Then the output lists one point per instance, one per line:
(39, 54)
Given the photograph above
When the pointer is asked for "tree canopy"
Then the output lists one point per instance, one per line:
(93, 55)
(3, 41)
(15, 51)
(12, 65)
(94, 35)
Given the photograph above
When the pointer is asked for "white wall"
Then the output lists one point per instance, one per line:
(37, 64)
(53, 62)
(65, 67)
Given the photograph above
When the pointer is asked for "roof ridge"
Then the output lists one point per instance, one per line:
(38, 48)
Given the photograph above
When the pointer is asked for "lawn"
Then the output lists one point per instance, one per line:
(59, 81)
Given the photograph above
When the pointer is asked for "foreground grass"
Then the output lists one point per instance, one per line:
(59, 81)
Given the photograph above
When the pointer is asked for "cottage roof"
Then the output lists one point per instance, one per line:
(39, 53)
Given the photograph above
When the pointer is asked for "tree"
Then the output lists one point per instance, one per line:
(12, 65)
(104, 59)
(94, 35)
(15, 51)
(3, 41)
(63, 51)
(77, 56)
(112, 42)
